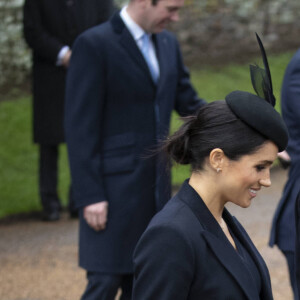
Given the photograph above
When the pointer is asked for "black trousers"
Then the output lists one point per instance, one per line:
(48, 178)
(103, 286)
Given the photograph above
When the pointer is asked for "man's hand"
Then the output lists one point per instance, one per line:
(96, 215)
(66, 59)
(284, 159)
(284, 155)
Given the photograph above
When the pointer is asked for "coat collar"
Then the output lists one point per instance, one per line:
(220, 245)
(127, 41)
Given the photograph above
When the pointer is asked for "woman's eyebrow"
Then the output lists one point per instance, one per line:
(266, 162)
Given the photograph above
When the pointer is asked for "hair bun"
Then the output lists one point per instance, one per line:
(177, 146)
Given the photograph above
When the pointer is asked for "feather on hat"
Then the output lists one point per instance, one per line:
(258, 111)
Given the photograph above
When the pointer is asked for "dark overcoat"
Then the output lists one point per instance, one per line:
(283, 232)
(297, 249)
(115, 114)
(184, 255)
(286, 223)
(48, 26)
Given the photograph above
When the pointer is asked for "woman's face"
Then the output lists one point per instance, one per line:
(242, 179)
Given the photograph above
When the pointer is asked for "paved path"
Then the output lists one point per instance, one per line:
(39, 260)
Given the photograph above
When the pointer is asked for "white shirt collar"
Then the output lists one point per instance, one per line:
(136, 30)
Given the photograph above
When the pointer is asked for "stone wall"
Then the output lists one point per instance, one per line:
(210, 31)
(218, 31)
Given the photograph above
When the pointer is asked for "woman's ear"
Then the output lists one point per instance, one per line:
(217, 159)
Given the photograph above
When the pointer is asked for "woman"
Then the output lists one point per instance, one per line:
(193, 248)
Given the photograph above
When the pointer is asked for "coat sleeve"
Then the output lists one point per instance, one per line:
(163, 265)
(187, 101)
(85, 89)
(290, 103)
(37, 36)
(293, 88)
(297, 249)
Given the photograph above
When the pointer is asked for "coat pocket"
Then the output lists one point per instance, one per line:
(119, 153)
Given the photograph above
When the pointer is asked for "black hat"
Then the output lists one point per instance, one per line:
(258, 111)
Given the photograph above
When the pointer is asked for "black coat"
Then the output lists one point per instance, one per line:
(48, 26)
(286, 223)
(283, 231)
(184, 255)
(297, 256)
(114, 115)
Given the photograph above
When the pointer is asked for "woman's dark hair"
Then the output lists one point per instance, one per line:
(214, 126)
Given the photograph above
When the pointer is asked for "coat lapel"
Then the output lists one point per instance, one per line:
(222, 248)
(243, 237)
(129, 44)
(228, 258)
(160, 43)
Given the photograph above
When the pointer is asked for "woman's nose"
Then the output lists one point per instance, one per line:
(266, 181)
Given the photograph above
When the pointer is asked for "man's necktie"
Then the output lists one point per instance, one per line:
(146, 53)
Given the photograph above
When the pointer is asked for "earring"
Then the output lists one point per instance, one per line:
(218, 170)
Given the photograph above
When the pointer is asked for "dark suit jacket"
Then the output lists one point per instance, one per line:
(283, 231)
(184, 254)
(48, 26)
(114, 115)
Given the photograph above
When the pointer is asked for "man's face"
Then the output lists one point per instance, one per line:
(157, 17)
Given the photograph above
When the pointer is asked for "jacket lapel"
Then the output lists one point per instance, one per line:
(160, 43)
(243, 237)
(228, 258)
(129, 44)
(222, 248)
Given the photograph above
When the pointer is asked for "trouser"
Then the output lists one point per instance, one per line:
(48, 178)
(290, 257)
(103, 286)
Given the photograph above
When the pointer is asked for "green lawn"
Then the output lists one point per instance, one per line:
(18, 155)
(19, 160)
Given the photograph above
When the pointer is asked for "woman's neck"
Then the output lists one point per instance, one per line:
(207, 188)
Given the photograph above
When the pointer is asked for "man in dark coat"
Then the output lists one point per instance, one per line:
(118, 106)
(283, 231)
(50, 28)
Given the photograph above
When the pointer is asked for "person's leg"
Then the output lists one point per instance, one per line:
(290, 257)
(48, 181)
(101, 286)
(126, 285)
(71, 206)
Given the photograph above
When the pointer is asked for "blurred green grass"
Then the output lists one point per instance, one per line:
(19, 156)
(19, 161)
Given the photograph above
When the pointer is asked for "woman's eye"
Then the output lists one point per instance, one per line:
(260, 168)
